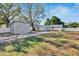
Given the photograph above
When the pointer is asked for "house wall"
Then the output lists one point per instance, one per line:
(50, 27)
(42, 28)
(20, 28)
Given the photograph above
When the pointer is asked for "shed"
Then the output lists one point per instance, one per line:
(18, 27)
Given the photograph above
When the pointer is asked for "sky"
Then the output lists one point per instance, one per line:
(67, 12)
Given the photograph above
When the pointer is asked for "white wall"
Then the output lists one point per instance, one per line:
(20, 28)
(42, 28)
(71, 29)
(50, 27)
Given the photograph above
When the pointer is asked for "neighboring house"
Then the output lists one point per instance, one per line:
(18, 27)
(50, 27)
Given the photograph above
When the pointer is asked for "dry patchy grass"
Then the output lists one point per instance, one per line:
(52, 44)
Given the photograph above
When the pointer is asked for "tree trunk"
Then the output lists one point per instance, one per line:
(33, 28)
(7, 23)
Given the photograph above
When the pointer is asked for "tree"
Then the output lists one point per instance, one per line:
(47, 21)
(33, 12)
(73, 24)
(55, 20)
(8, 11)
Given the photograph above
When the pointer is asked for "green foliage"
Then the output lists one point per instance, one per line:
(8, 12)
(47, 21)
(12, 54)
(9, 48)
(54, 21)
(73, 24)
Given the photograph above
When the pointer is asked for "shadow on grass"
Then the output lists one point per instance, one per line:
(2, 45)
(26, 43)
(21, 45)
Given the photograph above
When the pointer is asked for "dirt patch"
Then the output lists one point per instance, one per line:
(75, 36)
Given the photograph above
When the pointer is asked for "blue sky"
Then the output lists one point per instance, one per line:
(67, 12)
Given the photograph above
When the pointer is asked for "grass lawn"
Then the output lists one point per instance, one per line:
(51, 44)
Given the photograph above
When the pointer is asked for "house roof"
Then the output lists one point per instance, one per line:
(16, 21)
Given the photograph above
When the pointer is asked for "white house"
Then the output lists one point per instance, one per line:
(50, 27)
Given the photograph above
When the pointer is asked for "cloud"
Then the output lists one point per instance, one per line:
(64, 11)
(59, 11)
(67, 14)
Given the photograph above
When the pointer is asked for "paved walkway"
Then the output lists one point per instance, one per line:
(31, 34)
(14, 37)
